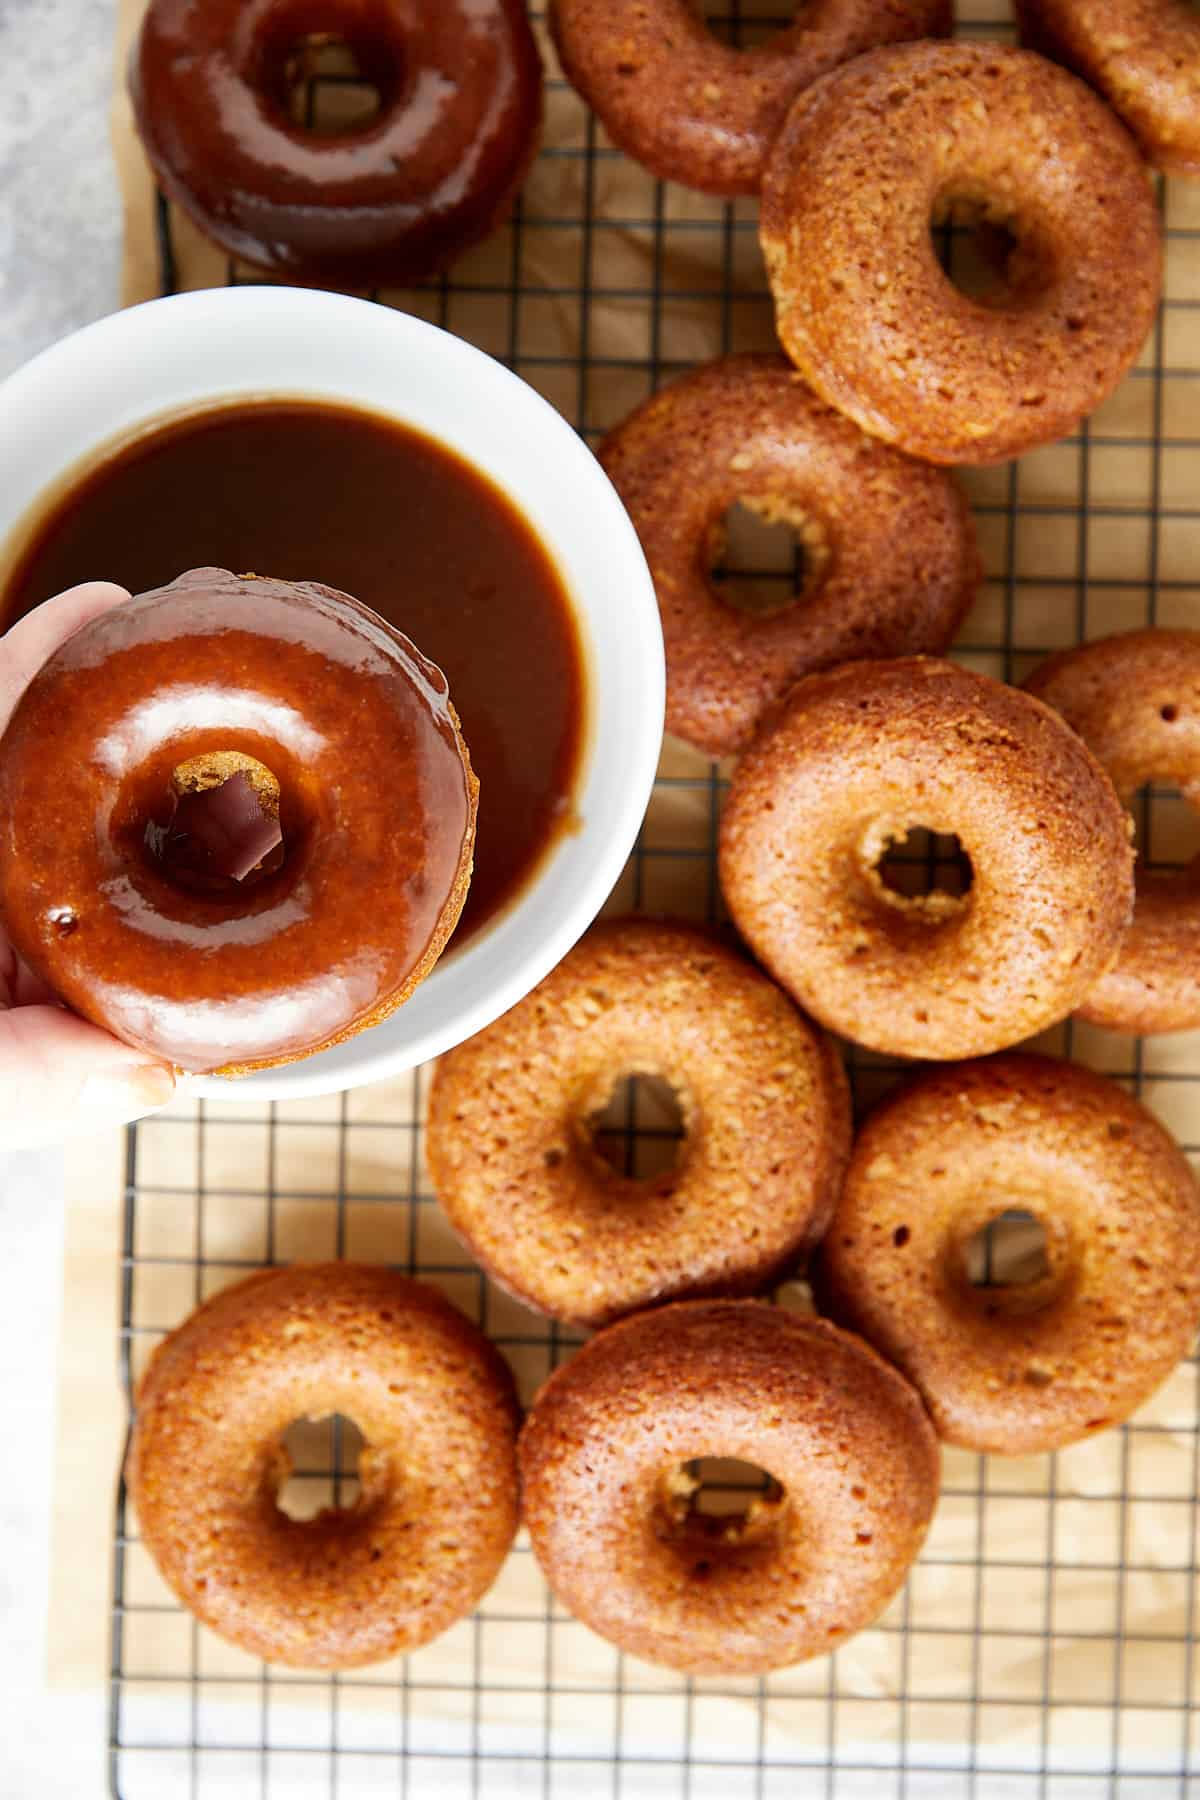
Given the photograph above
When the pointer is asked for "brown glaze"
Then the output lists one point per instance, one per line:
(765, 1105)
(606, 1496)
(862, 305)
(376, 804)
(460, 86)
(1142, 55)
(889, 543)
(326, 493)
(858, 757)
(1033, 1366)
(437, 1509)
(701, 112)
(1134, 699)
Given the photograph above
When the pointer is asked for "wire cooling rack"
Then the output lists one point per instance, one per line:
(1044, 1644)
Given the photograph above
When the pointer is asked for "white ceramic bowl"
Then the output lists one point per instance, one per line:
(172, 354)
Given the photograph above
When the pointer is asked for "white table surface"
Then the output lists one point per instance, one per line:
(59, 253)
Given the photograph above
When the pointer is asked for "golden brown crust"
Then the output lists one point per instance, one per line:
(701, 112)
(765, 1104)
(438, 1508)
(859, 756)
(862, 306)
(843, 1433)
(1134, 699)
(1019, 1369)
(890, 542)
(1142, 55)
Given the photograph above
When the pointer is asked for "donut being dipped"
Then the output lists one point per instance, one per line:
(437, 1510)
(460, 104)
(1134, 699)
(1034, 1365)
(891, 563)
(608, 1497)
(853, 761)
(983, 134)
(238, 820)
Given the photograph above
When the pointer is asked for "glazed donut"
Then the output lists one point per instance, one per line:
(432, 174)
(1142, 55)
(701, 112)
(892, 565)
(607, 1493)
(1036, 1365)
(764, 1102)
(868, 157)
(438, 1504)
(142, 877)
(857, 758)
(1134, 699)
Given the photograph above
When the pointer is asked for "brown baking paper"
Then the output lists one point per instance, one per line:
(1049, 1620)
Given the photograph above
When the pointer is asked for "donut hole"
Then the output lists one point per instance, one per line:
(989, 254)
(218, 827)
(764, 556)
(318, 1467)
(713, 1505)
(323, 82)
(923, 874)
(748, 24)
(639, 1129)
(1014, 1263)
(1166, 829)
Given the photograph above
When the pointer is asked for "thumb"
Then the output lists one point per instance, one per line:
(60, 1076)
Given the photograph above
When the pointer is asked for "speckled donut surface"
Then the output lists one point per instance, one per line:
(1134, 699)
(869, 157)
(889, 543)
(764, 1104)
(438, 1506)
(1033, 1366)
(1142, 55)
(701, 112)
(606, 1498)
(855, 759)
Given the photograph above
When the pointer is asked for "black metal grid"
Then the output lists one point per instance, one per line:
(1044, 1644)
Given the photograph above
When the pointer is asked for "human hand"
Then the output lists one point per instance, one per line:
(60, 1075)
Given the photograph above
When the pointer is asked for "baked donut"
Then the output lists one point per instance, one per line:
(438, 1504)
(434, 172)
(891, 561)
(1134, 699)
(143, 876)
(701, 112)
(858, 757)
(608, 1496)
(1142, 55)
(869, 156)
(764, 1103)
(1038, 1364)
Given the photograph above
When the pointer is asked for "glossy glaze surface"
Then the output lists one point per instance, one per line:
(460, 104)
(323, 493)
(376, 804)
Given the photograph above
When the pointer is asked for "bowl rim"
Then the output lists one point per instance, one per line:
(368, 1056)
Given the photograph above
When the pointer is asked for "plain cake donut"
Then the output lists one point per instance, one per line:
(146, 751)
(459, 85)
(870, 156)
(890, 557)
(607, 1493)
(765, 1109)
(854, 760)
(437, 1509)
(1134, 699)
(1142, 55)
(1036, 1365)
(701, 112)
